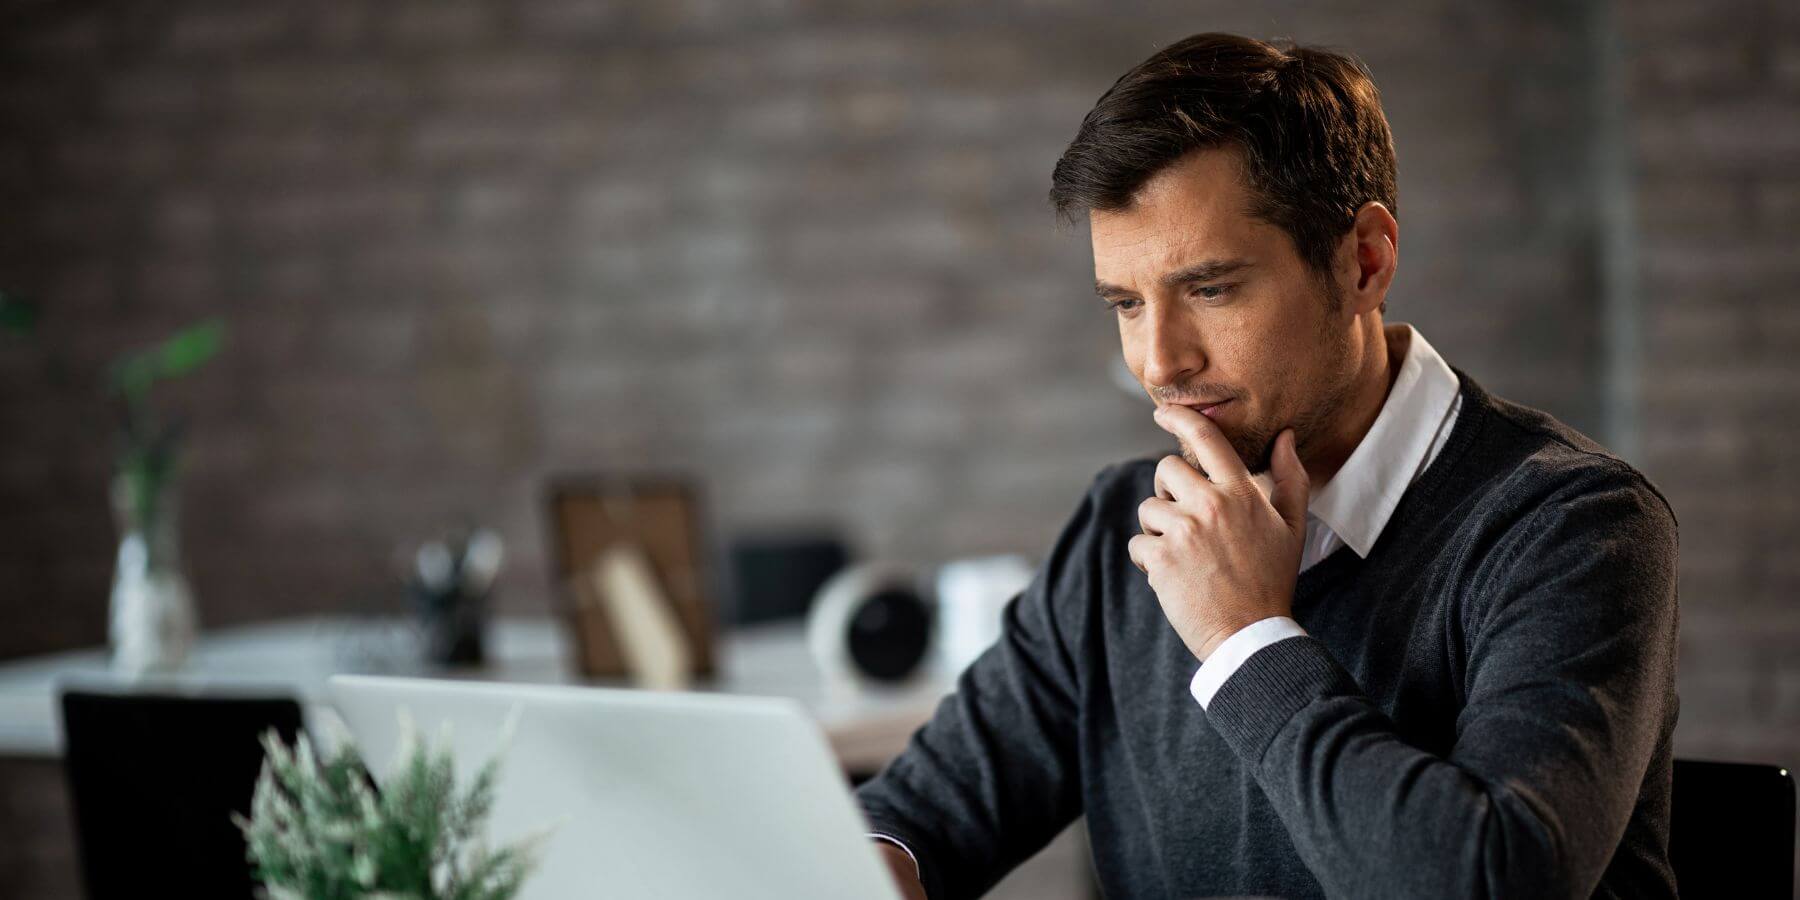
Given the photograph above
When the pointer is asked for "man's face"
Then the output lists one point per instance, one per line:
(1214, 305)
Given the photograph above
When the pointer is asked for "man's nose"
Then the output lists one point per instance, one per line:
(1172, 354)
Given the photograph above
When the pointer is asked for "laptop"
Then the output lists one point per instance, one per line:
(664, 795)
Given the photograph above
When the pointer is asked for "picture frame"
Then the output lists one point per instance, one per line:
(659, 515)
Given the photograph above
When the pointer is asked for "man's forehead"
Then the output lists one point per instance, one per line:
(1148, 240)
(1170, 248)
(1201, 216)
(1190, 213)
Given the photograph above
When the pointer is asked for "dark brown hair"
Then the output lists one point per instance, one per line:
(1314, 142)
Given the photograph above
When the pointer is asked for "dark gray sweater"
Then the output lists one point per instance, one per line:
(1482, 707)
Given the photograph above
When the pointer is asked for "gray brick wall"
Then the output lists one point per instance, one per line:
(462, 247)
(1715, 137)
(802, 250)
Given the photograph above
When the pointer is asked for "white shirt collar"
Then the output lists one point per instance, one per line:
(1358, 501)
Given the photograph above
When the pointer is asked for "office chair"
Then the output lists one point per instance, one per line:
(1732, 830)
(153, 780)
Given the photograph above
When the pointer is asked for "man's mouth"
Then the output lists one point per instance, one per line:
(1208, 408)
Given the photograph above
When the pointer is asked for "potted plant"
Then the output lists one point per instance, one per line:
(152, 623)
(319, 828)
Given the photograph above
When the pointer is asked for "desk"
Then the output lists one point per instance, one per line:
(866, 727)
(37, 857)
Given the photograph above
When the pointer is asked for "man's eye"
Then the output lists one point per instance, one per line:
(1123, 304)
(1212, 291)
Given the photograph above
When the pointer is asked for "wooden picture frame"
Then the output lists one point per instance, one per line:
(661, 516)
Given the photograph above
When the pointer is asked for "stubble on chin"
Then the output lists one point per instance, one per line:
(1256, 449)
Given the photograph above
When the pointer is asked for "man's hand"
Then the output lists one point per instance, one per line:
(906, 875)
(1219, 555)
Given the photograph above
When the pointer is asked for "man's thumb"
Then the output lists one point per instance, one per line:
(1291, 484)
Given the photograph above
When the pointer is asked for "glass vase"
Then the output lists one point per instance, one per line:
(151, 624)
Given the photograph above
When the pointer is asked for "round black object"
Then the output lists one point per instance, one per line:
(889, 634)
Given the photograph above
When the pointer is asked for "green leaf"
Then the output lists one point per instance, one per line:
(181, 353)
(190, 349)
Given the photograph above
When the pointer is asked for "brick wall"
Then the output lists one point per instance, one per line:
(806, 256)
(1715, 138)
(801, 250)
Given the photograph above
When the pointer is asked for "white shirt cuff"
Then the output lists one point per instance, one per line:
(1235, 650)
(896, 842)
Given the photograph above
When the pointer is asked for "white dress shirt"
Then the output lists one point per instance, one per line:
(1357, 502)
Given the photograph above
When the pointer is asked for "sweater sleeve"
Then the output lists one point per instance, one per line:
(993, 776)
(1570, 694)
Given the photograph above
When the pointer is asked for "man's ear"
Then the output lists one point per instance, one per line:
(1368, 256)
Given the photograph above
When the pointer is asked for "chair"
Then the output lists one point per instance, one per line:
(153, 781)
(1732, 830)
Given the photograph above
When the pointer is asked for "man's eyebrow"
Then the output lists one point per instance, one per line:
(1205, 270)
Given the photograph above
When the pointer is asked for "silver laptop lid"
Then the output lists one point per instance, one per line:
(653, 795)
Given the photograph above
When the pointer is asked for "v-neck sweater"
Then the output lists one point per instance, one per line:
(1481, 707)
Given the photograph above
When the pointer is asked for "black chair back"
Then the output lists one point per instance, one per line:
(153, 781)
(1732, 830)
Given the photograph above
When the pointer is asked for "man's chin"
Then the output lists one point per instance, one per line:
(1262, 463)
(1255, 452)
(1259, 457)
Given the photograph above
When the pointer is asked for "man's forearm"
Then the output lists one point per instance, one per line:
(1375, 816)
(994, 774)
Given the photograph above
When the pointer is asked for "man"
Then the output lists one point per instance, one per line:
(1375, 632)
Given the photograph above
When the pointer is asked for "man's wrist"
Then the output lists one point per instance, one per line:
(1235, 650)
(1224, 634)
(896, 842)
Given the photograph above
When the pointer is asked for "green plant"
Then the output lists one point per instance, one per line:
(319, 830)
(147, 460)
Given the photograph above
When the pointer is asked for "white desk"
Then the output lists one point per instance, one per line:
(866, 727)
(295, 657)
